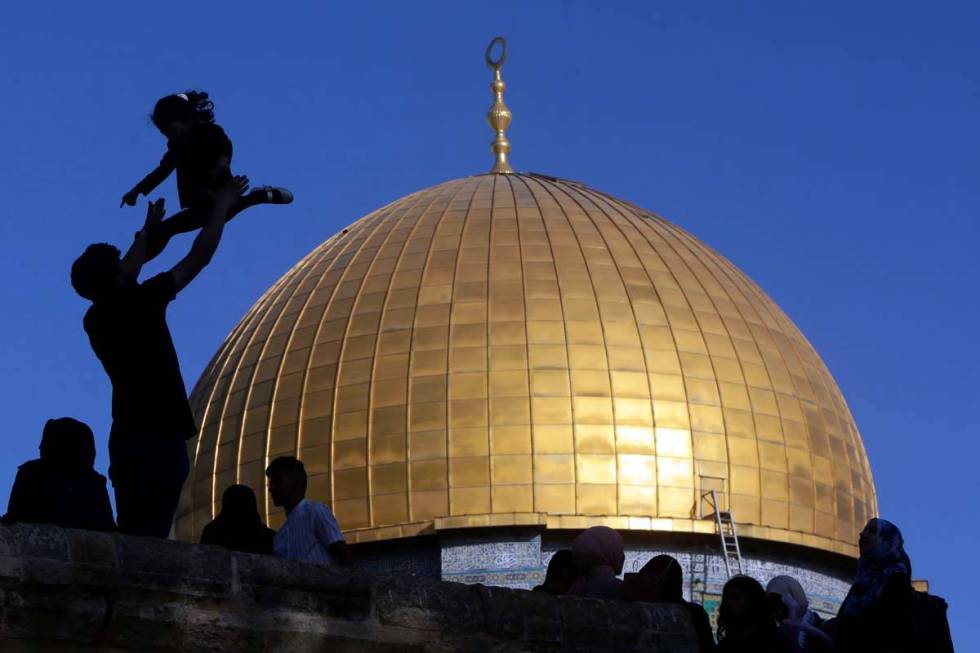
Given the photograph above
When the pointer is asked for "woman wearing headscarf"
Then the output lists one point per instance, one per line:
(561, 573)
(745, 621)
(882, 612)
(796, 620)
(661, 580)
(599, 556)
(62, 487)
(238, 526)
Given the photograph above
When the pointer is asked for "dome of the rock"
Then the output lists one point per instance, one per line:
(478, 371)
(515, 349)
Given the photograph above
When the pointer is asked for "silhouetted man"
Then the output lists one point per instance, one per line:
(127, 327)
(61, 487)
(311, 532)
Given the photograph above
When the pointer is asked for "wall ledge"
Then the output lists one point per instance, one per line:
(72, 590)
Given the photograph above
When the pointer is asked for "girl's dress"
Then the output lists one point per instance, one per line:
(195, 155)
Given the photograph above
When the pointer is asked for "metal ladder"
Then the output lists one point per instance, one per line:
(729, 537)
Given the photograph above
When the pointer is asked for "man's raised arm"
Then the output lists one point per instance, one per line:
(136, 255)
(206, 242)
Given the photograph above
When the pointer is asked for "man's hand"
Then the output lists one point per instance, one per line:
(226, 196)
(130, 198)
(132, 262)
(154, 214)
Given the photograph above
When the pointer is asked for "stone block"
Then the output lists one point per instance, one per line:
(581, 637)
(268, 581)
(294, 574)
(656, 642)
(591, 624)
(92, 548)
(60, 615)
(429, 605)
(590, 612)
(8, 541)
(39, 541)
(41, 571)
(11, 568)
(173, 566)
(522, 615)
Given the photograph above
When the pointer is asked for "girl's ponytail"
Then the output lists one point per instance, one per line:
(203, 107)
(189, 106)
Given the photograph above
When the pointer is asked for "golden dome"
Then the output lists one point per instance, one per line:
(518, 349)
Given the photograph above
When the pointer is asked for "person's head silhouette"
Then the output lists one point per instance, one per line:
(98, 272)
(239, 505)
(744, 608)
(62, 487)
(667, 576)
(68, 444)
(287, 481)
(239, 526)
(174, 114)
(561, 573)
(599, 547)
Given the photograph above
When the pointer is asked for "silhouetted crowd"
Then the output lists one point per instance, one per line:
(882, 612)
(151, 420)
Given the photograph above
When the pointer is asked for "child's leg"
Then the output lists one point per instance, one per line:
(263, 195)
(193, 218)
(179, 223)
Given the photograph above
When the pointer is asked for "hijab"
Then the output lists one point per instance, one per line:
(756, 617)
(794, 598)
(561, 574)
(802, 625)
(239, 506)
(238, 526)
(876, 566)
(668, 578)
(68, 445)
(61, 487)
(599, 546)
(599, 556)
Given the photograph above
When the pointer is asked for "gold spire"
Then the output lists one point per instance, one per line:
(499, 116)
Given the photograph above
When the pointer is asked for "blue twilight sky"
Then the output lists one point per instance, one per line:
(831, 150)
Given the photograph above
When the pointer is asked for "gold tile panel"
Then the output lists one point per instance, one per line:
(501, 350)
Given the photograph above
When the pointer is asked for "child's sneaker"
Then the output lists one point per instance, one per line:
(273, 195)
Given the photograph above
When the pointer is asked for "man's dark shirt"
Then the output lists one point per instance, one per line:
(130, 336)
(194, 155)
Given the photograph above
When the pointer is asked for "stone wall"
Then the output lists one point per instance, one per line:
(67, 590)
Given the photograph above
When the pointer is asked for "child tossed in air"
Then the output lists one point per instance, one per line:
(200, 152)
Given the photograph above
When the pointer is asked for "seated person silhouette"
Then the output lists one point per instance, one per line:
(311, 532)
(238, 526)
(61, 487)
(661, 580)
(127, 328)
(599, 555)
(561, 575)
